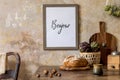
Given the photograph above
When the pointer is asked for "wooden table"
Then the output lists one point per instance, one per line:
(76, 75)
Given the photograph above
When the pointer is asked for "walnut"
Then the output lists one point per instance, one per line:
(51, 75)
(58, 74)
(37, 75)
(45, 72)
(53, 71)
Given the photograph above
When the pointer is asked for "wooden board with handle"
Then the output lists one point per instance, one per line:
(106, 40)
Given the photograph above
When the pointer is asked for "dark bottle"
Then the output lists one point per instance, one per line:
(105, 51)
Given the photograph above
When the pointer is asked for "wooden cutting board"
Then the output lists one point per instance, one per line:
(74, 68)
(104, 39)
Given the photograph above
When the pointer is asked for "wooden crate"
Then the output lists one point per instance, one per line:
(113, 62)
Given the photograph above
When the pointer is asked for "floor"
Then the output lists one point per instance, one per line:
(74, 75)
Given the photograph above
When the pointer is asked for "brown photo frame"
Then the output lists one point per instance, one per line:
(60, 26)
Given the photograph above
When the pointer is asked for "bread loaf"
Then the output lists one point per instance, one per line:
(72, 61)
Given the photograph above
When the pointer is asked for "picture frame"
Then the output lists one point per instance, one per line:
(60, 26)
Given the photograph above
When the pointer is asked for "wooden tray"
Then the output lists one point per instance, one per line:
(74, 68)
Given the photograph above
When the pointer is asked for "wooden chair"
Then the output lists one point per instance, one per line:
(12, 74)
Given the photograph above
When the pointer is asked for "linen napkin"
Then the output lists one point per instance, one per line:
(3, 60)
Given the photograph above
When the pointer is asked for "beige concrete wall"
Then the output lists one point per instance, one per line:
(21, 30)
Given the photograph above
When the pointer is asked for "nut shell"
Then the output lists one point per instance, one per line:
(45, 72)
(38, 75)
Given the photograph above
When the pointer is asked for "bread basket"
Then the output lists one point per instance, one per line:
(91, 57)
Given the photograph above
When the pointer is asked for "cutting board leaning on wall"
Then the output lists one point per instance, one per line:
(106, 40)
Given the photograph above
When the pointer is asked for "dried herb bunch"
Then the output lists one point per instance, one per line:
(113, 10)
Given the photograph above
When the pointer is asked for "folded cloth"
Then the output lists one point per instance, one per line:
(3, 60)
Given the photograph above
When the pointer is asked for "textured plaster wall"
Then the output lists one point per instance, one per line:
(21, 30)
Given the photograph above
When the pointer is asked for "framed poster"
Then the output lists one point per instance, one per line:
(60, 26)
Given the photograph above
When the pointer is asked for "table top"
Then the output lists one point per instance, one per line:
(74, 75)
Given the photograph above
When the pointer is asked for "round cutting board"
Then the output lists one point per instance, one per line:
(106, 39)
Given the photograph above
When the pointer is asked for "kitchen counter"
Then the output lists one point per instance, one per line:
(75, 75)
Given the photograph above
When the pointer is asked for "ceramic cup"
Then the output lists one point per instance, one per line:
(98, 69)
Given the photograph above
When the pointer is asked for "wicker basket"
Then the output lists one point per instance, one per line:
(91, 57)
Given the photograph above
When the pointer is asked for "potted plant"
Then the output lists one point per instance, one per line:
(90, 51)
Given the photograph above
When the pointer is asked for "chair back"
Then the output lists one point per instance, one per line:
(18, 61)
(12, 73)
